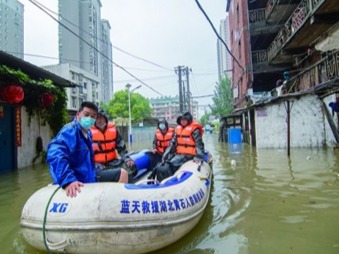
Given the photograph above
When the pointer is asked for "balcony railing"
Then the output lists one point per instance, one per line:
(257, 15)
(259, 56)
(270, 7)
(322, 71)
(293, 24)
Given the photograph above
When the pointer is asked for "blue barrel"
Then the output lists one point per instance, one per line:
(234, 136)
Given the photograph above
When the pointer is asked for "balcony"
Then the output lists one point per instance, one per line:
(278, 11)
(258, 23)
(322, 77)
(310, 20)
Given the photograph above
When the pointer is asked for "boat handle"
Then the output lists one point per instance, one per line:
(149, 181)
(57, 246)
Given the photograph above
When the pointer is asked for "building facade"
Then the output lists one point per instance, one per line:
(168, 107)
(12, 27)
(224, 58)
(84, 41)
(285, 53)
(88, 88)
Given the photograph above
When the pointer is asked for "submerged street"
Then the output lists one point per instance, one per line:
(262, 202)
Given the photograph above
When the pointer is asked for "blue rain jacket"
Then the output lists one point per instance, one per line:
(70, 156)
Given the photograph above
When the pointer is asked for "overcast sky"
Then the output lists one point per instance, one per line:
(168, 33)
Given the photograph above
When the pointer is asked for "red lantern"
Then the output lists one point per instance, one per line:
(12, 94)
(45, 99)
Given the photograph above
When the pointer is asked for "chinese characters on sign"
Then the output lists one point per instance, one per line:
(160, 206)
(18, 126)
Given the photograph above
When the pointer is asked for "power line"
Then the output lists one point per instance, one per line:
(37, 4)
(152, 78)
(142, 59)
(215, 31)
(103, 41)
(194, 82)
(202, 96)
(73, 60)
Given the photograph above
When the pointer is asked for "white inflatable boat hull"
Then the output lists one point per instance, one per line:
(117, 218)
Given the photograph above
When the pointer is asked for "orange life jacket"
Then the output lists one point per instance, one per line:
(104, 144)
(163, 140)
(185, 141)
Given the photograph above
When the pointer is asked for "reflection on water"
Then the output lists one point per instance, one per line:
(268, 203)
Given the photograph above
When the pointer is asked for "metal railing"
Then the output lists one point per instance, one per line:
(293, 24)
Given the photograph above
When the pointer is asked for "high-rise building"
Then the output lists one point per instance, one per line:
(84, 41)
(12, 27)
(106, 66)
(224, 58)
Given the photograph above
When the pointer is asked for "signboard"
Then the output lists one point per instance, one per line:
(18, 126)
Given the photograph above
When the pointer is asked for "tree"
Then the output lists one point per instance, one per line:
(118, 106)
(204, 119)
(222, 98)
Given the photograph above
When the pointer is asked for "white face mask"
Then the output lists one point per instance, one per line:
(101, 126)
(162, 126)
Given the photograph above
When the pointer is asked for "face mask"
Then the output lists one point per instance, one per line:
(101, 126)
(162, 126)
(86, 122)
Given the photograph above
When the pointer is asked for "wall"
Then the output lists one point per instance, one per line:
(29, 134)
(308, 124)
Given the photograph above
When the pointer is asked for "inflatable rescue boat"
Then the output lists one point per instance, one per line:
(118, 218)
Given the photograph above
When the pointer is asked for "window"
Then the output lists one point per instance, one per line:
(74, 104)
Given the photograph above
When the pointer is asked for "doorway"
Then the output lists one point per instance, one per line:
(7, 139)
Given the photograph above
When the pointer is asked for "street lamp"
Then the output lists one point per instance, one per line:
(128, 86)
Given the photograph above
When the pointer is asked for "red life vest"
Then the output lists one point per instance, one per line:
(104, 144)
(163, 140)
(185, 142)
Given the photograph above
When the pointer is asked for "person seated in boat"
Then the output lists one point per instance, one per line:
(162, 137)
(107, 143)
(70, 153)
(186, 144)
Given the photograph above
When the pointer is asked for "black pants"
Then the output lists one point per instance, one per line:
(170, 167)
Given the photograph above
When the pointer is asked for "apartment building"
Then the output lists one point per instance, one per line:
(169, 107)
(224, 58)
(84, 41)
(285, 70)
(12, 27)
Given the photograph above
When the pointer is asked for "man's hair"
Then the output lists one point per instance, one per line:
(88, 104)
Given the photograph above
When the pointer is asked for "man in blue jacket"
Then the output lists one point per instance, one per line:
(70, 154)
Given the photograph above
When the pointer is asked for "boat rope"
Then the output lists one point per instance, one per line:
(45, 219)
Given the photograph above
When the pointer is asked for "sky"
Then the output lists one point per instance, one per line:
(166, 33)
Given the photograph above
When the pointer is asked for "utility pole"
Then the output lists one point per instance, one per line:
(184, 91)
(188, 90)
(178, 71)
(184, 96)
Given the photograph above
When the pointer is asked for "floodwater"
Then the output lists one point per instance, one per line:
(266, 203)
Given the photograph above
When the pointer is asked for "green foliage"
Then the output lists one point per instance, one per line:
(14, 75)
(118, 106)
(222, 99)
(204, 119)
(56, 114)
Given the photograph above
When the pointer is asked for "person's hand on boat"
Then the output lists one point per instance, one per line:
(129, 163)
(73, 188)
(197, 161)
